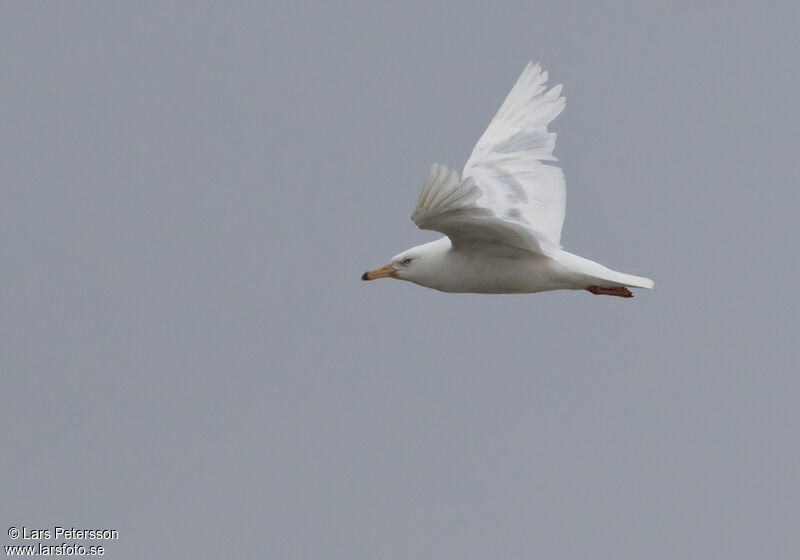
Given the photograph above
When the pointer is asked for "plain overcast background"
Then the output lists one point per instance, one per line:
(191, 191)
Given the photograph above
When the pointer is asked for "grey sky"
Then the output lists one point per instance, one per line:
(190, 192)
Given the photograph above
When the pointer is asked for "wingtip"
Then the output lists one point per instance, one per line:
(532, 69)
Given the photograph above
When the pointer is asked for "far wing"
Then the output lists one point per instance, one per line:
(507, 162)
(451, 206)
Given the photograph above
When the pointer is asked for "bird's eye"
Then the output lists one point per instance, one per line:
(407, 260)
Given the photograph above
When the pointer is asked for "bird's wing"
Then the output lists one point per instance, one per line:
(506, 165)
(451, 206)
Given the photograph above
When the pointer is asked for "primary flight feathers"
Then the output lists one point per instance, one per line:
(511, 187)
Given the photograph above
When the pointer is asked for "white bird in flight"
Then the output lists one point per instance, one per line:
(502, 218)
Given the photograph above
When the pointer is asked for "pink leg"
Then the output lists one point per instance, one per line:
(620, 291)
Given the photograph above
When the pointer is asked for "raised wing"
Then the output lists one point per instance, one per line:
(450, 206)
(507, 162)
(508, 196)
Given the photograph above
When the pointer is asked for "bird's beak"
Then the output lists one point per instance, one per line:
(382, 272)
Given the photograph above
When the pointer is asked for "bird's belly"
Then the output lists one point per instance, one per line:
(512, 275)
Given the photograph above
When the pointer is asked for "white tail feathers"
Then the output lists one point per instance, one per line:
(601, 275)
(632, 281)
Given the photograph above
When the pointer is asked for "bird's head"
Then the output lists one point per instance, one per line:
(400, 266)
(415, 264)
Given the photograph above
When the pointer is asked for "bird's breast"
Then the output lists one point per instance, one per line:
(490, 274)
